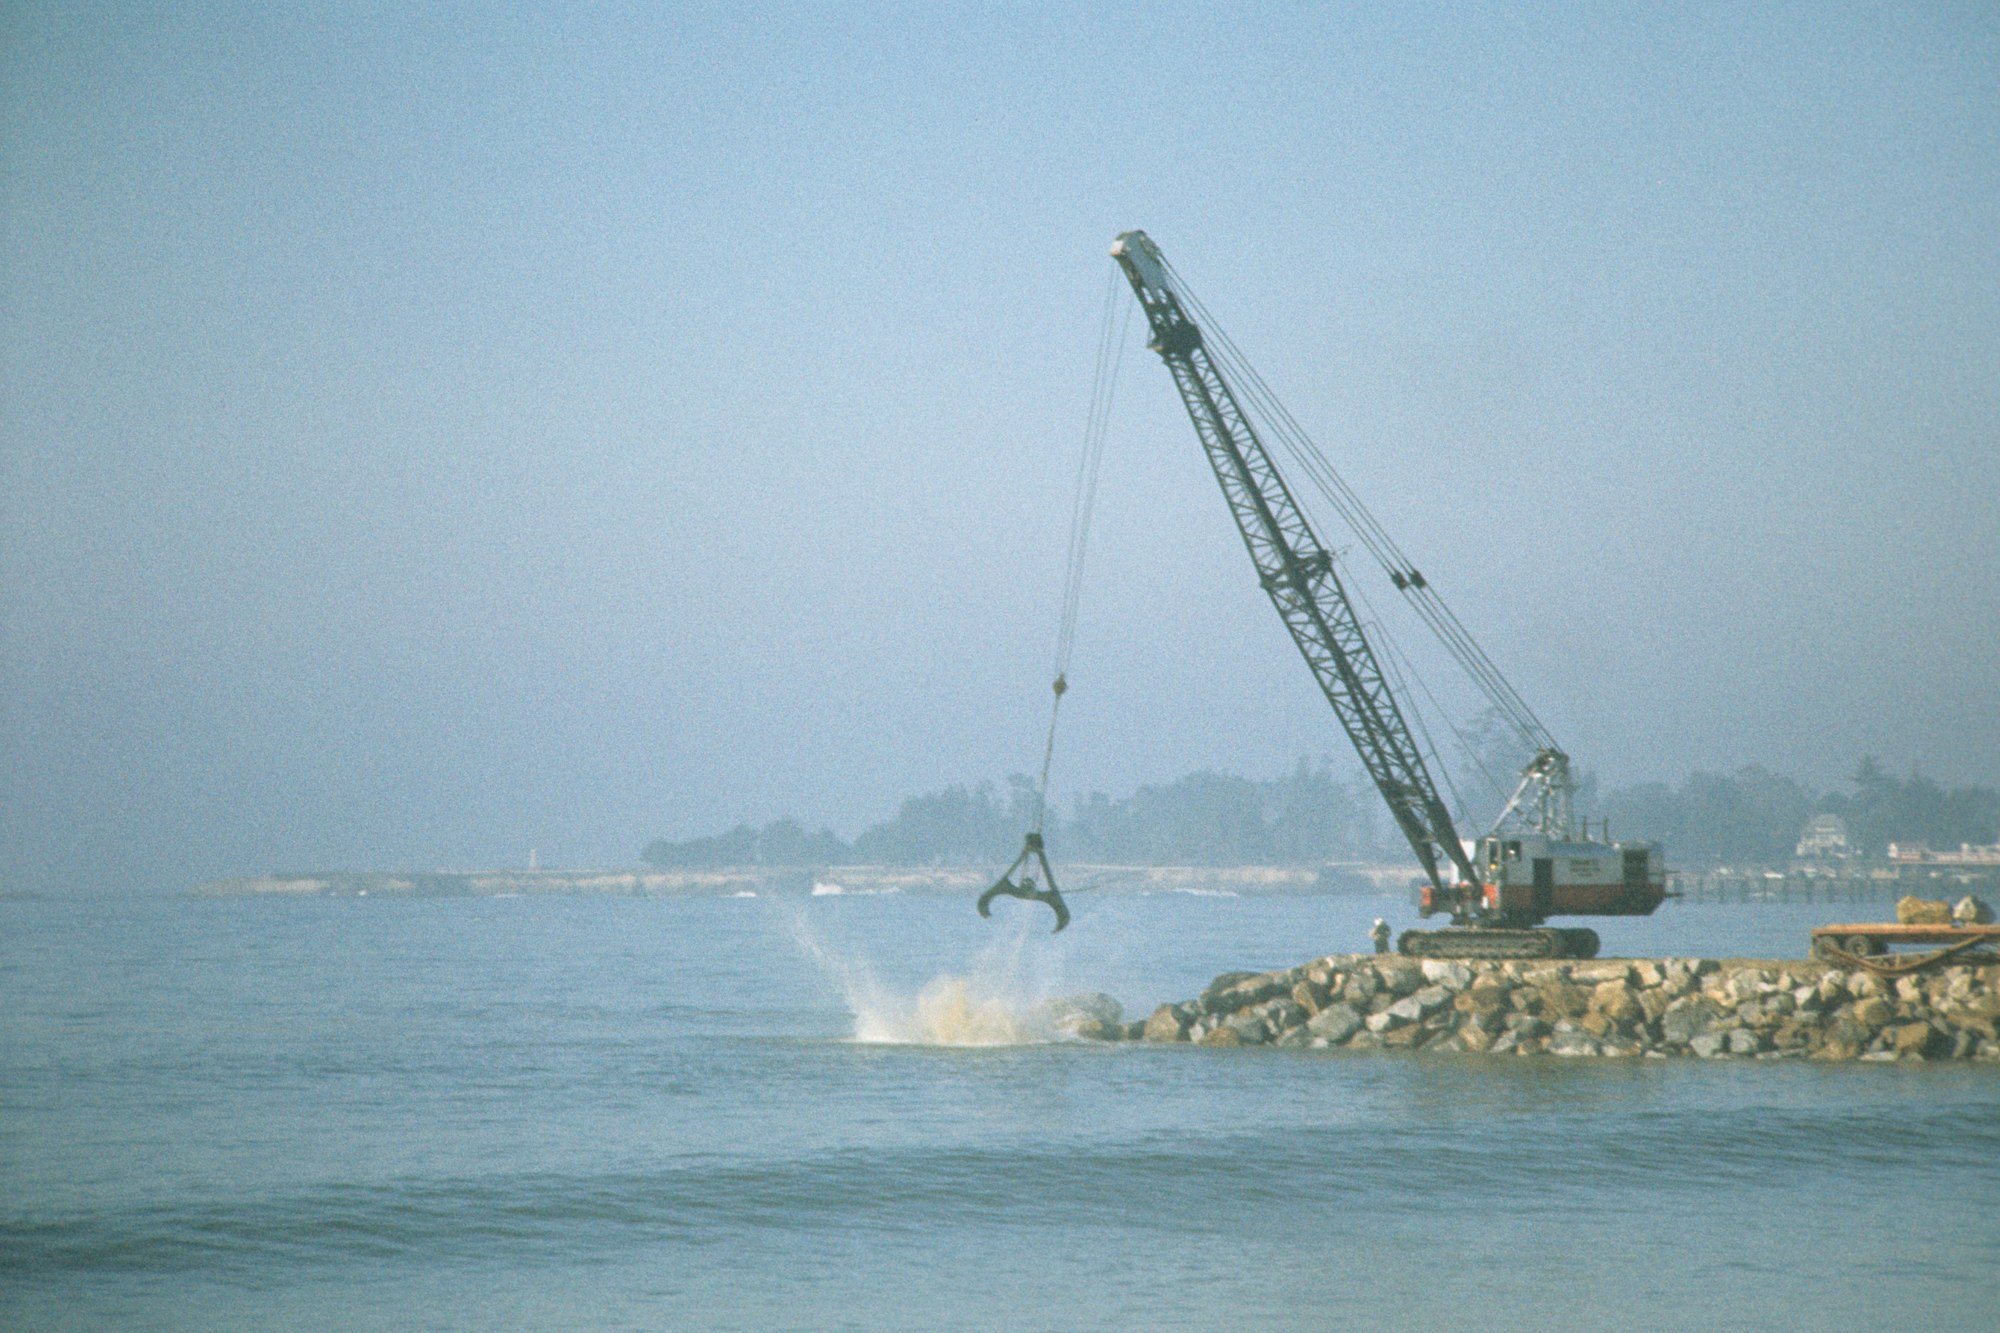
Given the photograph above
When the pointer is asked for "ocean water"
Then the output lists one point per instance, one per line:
(663, 1114)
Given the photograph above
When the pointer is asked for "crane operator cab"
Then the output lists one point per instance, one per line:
(1527, 877)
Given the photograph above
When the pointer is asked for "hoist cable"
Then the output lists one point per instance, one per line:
(1110, 356)
(1083, 503)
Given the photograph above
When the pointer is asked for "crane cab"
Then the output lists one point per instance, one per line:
(1528, 877)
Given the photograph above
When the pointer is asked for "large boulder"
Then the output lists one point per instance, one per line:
(1872, 1012)
(1914, 911)
(1472, 1037)
(1399, 976)
(1917, 1039)
(1614, 999)
(1251, 1028)
(1239, 990)
(1441, 972)
(1484, 1011)
(1676, 980)
(1791, 1035)
(1687, 1018)
(1978, 1014)
(1281, 1014)
(1166, 1024)
(1744, 1041)
(1093, 1015)
(1562, 1000)
(1765, 1013)
(1336, 1023)
(1421, 1005)
(1571, 1039)
(1971, 911)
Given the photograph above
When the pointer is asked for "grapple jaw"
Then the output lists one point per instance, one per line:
(1007, 886)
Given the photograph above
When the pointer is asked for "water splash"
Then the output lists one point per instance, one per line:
(1002, 999)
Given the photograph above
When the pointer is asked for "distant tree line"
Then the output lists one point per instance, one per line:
(1753, 815)
(1311, 816)
(1307, 816)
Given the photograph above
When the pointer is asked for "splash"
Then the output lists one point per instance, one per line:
(998, 1001)
(951, 1011)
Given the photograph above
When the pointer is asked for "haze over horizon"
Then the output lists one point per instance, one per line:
(426, 436)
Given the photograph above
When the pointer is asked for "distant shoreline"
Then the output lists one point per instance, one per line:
(804, 881)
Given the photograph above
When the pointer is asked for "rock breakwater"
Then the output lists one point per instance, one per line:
(1697, 1007)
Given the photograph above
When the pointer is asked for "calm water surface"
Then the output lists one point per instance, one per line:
(650, 1114)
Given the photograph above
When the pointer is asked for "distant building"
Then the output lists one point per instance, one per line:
(1966, 855)
(1824, 838)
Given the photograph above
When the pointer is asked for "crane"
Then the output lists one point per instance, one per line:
(1532, 865)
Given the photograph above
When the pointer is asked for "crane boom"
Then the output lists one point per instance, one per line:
(1297, 572)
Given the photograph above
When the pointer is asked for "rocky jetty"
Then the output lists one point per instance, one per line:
(1604, 1007)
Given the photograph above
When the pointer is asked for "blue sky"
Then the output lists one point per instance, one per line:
(429, 435)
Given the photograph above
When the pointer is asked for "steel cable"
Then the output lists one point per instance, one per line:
(1083, 504)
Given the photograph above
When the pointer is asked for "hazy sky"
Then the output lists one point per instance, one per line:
(431, 434)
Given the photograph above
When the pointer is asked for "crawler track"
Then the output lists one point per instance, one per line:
(1480, 942)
